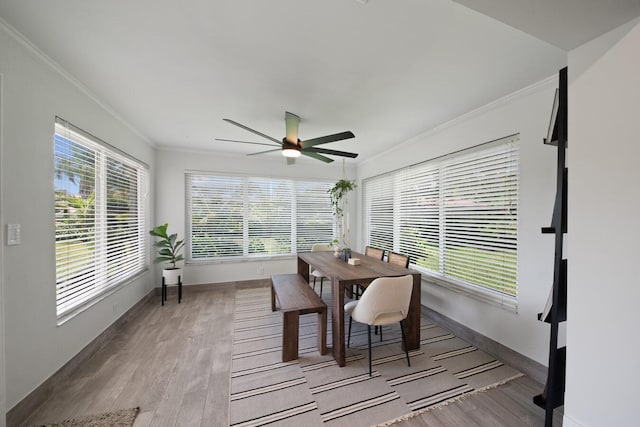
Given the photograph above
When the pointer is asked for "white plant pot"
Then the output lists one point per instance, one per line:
(171, 275)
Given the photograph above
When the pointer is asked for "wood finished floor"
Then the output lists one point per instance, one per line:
(174, 363)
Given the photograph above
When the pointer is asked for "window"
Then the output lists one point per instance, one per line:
(455, 216)
(99, 217)
(237, 216)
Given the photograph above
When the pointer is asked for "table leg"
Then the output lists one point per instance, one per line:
(337, 314)
(303, 269)
(412, 323)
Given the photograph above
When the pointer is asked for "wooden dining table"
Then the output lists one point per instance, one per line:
(344, 275)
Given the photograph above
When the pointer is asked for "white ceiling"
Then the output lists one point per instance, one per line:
(385, 69)
(564, 23)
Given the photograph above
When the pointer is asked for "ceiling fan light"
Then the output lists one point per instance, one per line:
(290, 152)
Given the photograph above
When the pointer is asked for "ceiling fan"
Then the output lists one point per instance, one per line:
(291, 146)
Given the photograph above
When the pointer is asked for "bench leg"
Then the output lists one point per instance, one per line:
(322, 331)
(290, 325)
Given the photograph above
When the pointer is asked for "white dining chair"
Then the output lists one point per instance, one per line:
(397, 259)
(385, 301)
(317, 274)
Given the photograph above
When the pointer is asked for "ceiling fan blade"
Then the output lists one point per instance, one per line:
(292, 122)
(244, 142)
(328, 138)
(253, 131)
(291, 160)
(331, 152)
(262, 152)
(317, 156)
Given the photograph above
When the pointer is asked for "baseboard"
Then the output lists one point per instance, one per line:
(203, 287)
(21, 411)
(570, 422)
(529, 367)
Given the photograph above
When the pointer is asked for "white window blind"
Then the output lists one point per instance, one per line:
(455, 216)
(270, 216)
(419, 215)
(236, 216)
(216, 216)
(480, 195)
(379, 205)
(313, 214)
(99, 217)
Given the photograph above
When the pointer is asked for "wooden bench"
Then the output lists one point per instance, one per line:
(296, 297)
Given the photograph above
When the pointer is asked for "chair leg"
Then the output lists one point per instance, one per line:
(369, 335)
(349, 334)
(376, 329)
(321, 280)
(404, 342)
(314, 283)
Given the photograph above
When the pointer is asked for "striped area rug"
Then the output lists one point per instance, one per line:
(314, 391)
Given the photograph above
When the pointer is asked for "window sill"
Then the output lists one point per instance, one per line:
(239, 260)
(506, 302)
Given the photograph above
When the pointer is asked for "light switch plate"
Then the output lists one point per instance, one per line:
(13, 234)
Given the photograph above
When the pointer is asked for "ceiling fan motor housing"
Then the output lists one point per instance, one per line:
(290, 149)
(286, 145)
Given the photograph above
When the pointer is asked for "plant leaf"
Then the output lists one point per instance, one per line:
(160, 231)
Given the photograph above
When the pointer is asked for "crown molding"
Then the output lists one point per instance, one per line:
(498, 103)
(193, 150)
(35, 50)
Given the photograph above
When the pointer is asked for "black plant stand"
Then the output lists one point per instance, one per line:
(164, 290)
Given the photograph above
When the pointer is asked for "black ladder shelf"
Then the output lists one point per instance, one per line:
(553, 394)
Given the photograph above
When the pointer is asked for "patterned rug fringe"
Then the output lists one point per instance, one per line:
(119, 418)
(448, 401)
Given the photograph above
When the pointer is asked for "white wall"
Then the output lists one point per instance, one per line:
(3, 400)
(604, 231)
(33, 94)
(527, 113)
(170, 203)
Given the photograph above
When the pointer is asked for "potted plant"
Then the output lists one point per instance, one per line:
(338, 194)
(169, 248)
